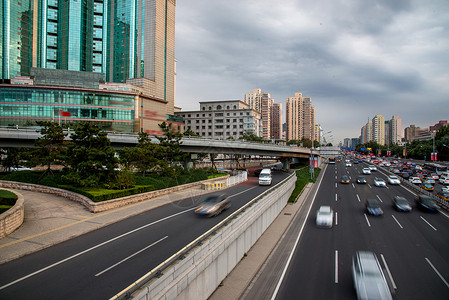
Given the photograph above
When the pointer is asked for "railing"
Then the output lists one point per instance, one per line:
(158, 271)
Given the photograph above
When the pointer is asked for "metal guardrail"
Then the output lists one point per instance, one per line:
(158, 271)
(442, 203)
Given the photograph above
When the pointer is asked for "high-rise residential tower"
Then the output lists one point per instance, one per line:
(276, 121)
(379, 129)
(300, 118)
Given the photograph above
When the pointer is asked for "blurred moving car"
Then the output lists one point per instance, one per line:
(444, 180)
(379, 182)
(348, 164)
(373, 207)
(426, 203)
(443, 195)
(415, 180)
(361, 179)
(401, 204)
(369, 279)
(344, 179)
(213, 205)
(426, 186)
(366, 171)
(324, 217)
(393, 179)
(429, 180)
(372, 168)
(445, 189)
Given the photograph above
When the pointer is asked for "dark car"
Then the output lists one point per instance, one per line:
(405, 175)
(373, 207)
(344, 179)
(213, 205)
(401, 204)
(361, 180)
(424, 202)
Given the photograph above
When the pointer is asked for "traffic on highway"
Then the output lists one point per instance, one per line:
(382, 243)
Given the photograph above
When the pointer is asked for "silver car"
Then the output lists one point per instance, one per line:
(324, 217)
(379, 182)
(369, 279)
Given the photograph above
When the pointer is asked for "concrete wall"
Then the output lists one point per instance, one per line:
(104, 205)
(202, 270)
(11, 219)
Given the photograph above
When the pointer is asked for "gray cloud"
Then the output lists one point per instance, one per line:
(354, 58)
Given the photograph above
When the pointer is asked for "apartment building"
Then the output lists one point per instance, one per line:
(300, 118)
(227, 119)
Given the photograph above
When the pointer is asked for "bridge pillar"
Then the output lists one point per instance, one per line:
(285, 163)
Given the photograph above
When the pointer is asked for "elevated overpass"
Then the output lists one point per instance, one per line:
(11, 137)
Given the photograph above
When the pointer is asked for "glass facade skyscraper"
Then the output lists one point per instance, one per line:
(129, 41)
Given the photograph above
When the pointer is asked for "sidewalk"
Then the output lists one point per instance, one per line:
(50, 220)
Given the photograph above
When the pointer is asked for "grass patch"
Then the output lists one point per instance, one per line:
(303, 178)
(7, 200)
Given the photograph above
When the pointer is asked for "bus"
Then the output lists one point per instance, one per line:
(331, 160)
(435, 168)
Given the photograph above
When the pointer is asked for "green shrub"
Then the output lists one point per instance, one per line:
(303, 178)
(7, 200)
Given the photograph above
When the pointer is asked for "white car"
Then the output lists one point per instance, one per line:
(415, 180)
(393, 179)
(369, 279)
(379, 182)
(445, 189)
(324, 217)
(348, 164)
(372, 168)
(429, 180)
(444, 180)
(366, 171)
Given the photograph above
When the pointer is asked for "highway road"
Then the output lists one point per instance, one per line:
(101, 263)
(413, 248)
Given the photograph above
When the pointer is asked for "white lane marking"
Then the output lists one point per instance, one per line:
(276, 290)
(335, 197)
(243, 191)
(353, 185)
(92, 248)
(438, 273)
(358, 197)
(388, 272)
(444, 214)
(132, 255)
(370, 186)
(336, 266)
(336, 218)
(366, 218)
(335, 184)
(428, 223)
(379, 198)
(397, 222)
(335, 177)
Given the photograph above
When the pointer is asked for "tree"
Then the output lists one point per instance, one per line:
(250, 136)
(90, 156)
(190, 132)
(50, 145)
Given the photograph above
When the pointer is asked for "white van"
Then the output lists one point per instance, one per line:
(265, 177)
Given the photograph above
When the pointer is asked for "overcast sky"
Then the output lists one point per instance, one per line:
(354, 58)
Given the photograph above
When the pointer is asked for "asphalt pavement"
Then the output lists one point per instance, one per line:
(50, 220)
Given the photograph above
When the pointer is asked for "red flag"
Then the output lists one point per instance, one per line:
(64, 113)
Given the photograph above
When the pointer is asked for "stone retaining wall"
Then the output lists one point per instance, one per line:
(11, 219)
(104, 205)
